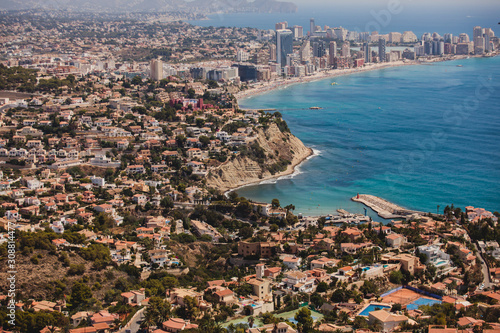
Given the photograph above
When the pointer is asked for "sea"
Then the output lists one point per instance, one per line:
(421, 136)
(407, 15)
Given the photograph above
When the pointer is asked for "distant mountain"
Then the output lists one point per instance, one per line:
(121, 6)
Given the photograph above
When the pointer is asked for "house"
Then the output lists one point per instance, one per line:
(105, 208)
(389, 321)
(202, 228)
(134, 296)
(259, 249)
(136, 169)
(272, 272)
(159, 257)
(261, 287)
(12, 215)
(395, 240)
(140, 199)
(175, 325)
(324, 262)
(299, 281)
(292, 263)
(225, 297)
(78, 317)
(352, 233)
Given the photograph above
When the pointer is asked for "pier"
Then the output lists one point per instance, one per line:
(382, 207)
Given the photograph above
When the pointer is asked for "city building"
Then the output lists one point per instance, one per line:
(284, 46)
(156, 68)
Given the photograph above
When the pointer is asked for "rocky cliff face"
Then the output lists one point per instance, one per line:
(282, 150)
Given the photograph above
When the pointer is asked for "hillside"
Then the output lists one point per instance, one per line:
(49, 279)
(282, 153)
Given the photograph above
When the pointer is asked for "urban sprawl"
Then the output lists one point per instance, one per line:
(120, 143)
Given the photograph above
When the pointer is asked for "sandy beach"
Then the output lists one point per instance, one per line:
(263, 87)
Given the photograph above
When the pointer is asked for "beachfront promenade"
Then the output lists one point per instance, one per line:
(384, 208)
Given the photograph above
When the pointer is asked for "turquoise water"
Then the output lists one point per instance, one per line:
(402, 133)
(373, 307)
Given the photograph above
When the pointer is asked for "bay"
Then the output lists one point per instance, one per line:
(419, 136)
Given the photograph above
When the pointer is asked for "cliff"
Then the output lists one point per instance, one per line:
(283, 152)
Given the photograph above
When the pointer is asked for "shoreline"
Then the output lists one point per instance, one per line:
(283, 83)
(291, 170)
(277, 84)
(266, 87)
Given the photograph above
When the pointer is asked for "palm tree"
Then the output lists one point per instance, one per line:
(377, 326)
(251, 321)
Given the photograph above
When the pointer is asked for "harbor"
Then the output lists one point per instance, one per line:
(382, 207)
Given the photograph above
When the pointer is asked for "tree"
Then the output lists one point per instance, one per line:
(190, 308)
(275, 203)
(246, 232)
(304, 319)
(322, 287)
(157, 312)
(251, 321)
(80, 294)
(396, 277)
(137, 80)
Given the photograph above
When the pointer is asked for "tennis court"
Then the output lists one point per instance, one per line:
(422, 301)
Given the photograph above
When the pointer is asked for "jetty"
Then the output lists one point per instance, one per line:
(384, 208)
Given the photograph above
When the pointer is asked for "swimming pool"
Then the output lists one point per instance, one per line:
(422, 301)
(373, 307)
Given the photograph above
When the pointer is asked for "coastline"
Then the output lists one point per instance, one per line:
(290, 171)
(264, 87)
(282, 83)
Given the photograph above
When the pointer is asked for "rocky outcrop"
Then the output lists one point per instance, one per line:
(279, 147)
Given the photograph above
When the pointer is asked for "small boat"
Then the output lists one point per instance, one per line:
(315, 108)
(460, 66)
(334, 83)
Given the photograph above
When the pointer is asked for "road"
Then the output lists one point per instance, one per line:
(135, 323)
(484, 268)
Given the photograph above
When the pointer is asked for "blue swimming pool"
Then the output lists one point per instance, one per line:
(373, 307)
(422, 301)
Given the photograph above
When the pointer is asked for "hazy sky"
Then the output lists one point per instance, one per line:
(422, 3)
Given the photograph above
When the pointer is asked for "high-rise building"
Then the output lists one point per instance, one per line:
(333, 51)
(477, 32)
(272, 52)
(463, 38)
(479, 45)
(341, 33)
(448, 38)
(395, 37)
(281, 25)
(319, 49)
(428, 47)
(368, 52)
(346, 49)
(312, 27)
(284, 45)
(156, 69)
(381, 50)
(298, 31)
(409, 37)
(242, 56)
(487, 43)
(305, 52)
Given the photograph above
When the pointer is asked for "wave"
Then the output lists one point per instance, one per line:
(269, 181)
